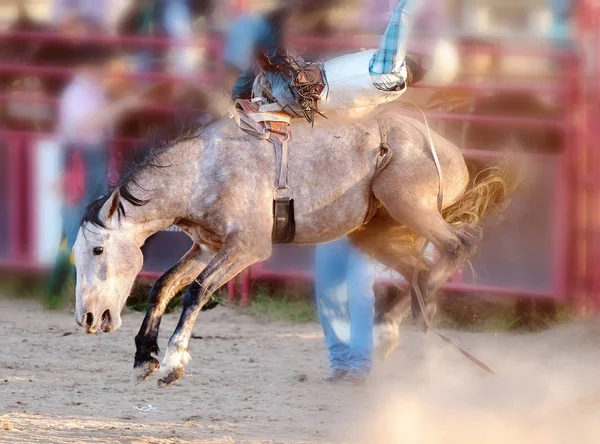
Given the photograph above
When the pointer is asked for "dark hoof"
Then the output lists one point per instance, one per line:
(142, 370)
(174, 375)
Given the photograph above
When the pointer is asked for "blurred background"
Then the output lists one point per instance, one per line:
(528, 79)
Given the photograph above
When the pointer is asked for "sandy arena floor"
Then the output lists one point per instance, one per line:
(262, 382)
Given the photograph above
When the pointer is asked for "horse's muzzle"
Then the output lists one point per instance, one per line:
(92, 322)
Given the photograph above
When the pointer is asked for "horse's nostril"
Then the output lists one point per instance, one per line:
(88, 320)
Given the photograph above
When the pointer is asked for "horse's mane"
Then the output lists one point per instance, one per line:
(144, 156)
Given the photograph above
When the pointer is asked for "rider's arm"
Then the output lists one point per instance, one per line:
(248, 34)
(240, 50)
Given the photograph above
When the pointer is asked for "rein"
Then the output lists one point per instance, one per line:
(414, 282)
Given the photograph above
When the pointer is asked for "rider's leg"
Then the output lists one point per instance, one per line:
(387, 66)
(370, 78)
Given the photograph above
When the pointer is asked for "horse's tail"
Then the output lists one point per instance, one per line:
(488, 192)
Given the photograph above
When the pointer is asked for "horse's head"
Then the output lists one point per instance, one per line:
(108, 260)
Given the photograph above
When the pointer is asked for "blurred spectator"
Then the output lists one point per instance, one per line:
(562, 15)
(177, 24)
(65, 13)
(137, 19)
(170, 18)
(85, 120)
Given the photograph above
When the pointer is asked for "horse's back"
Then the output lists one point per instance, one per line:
(332, 165)
(330, 171)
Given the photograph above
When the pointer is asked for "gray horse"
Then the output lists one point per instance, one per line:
(216, 183)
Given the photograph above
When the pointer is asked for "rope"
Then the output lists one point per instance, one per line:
(414, 281)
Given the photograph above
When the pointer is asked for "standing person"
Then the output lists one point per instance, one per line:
(85, 119)
(561, 30)
(176, 21)
(343, 277)
(344, 281)
(170, 18)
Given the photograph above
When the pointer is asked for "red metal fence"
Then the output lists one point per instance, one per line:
(555, 250)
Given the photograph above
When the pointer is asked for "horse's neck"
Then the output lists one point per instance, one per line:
(147, 228)
(160, 212)
(165, 190)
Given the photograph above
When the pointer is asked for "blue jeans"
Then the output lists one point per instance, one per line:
(387, 67)
(95, 159)
(345, 301)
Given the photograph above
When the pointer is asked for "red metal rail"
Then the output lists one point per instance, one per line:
(22, 234)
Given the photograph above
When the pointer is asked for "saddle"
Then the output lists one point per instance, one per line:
(274, 127)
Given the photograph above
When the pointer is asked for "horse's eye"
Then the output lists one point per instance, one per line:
(98, 251)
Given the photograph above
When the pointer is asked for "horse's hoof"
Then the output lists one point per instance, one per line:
(142, 370)
(174, 375)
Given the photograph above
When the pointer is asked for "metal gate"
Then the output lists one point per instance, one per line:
(547, 246)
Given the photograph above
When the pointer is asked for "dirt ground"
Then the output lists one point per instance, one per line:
(251, 381)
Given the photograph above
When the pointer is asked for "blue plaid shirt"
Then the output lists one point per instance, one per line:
(389, 57)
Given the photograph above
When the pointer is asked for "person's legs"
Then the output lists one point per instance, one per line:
(361, 304)
(349, 84)
(62, 267)
(95, 159)
(331, 270)
(58, 276)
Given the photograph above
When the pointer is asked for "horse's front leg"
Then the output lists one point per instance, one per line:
(165, 288)
(234, 256)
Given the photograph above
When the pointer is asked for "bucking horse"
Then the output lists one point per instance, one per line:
(373, 179)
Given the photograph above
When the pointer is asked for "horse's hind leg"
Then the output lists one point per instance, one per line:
(165, 288)
(233, 257)
(416, 207)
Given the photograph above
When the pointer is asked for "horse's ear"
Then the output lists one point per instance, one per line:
(111, 206)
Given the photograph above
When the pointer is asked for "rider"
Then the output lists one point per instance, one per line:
(253, 36)
(344, 278)
(361, 80)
